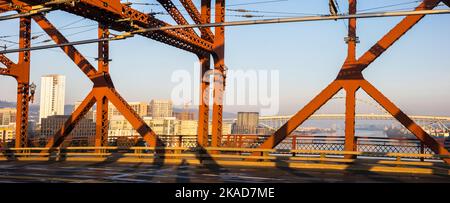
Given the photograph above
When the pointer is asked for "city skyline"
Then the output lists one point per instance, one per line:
(224, 91)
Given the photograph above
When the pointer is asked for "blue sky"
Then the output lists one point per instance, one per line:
(413, 73)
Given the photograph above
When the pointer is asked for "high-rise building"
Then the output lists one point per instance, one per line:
(52, 96)
(161, 108)
(247, 123)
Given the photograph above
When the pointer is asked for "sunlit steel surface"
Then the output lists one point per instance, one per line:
(111, 14)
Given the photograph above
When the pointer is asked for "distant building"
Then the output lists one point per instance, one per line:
(7, 116)
(161, 108)
(162, 126)
(52, 96)
(7, 132)
(141, 109)
(112, 111)
(187, 127)
(84, 129)
(119, 126)
(190, 127)
(182, 116)
(247, 123)
(89, 115)
(226, 128)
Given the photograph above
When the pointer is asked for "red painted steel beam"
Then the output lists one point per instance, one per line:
(390, 107)
(102, 122)
(395, 34)
(219, 75)
(102, 85)
(348, 78)
(70, 124)
(198, 18)
(176, 14)
(203, 110)
(135, 120)
(121, 17)
(351, 44)
(354, 68)
(350, 108)
(5, 7)
(205, 63)
(22, 72)
(5, 71)
(71, 51)
(6, 61)
(301, 116)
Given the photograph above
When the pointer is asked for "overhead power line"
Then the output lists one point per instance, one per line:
(242, 23)
(301, 19)
(240, 4)
(392, 5)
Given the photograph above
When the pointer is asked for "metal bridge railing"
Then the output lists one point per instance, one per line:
(294, 142)
(196, 152)
(241, 157)
(364, 144)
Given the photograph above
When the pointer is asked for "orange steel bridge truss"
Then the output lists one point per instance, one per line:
(111, 14)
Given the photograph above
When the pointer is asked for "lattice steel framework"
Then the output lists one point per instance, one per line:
(112, 14)
(351, 79)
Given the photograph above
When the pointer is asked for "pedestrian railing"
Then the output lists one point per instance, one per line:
(215, 153)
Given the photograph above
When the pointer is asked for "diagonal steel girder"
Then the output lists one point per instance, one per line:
(197, 17)
(84, 65)
(6, 61)
(103, 87)
(5, 71)
(355, 69)
(121, 17)
(395, 34)
(176, 14)
(5, 7)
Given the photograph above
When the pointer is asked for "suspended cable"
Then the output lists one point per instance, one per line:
(240, 4)
(240, 23)
(271, 12)
(258, 2)
(40, 32)
(392, 5)
(67, 35)
(301, 19)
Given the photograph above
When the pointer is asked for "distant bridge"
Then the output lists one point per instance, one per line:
(444, 119)
(429, 123)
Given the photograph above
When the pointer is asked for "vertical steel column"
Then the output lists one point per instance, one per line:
(351, 40)
(203, 110)
(350, 88)
(205, 63)
(23, 80)
(350, 141)
(219, 74)
(102, 124)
